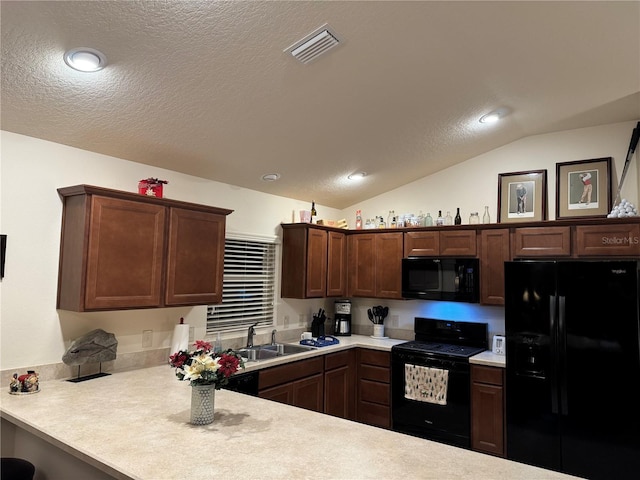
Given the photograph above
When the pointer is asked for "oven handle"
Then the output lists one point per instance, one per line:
(430, 362)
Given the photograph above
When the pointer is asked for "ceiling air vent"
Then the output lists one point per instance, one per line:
(314, 44)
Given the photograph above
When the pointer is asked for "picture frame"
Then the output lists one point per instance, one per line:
(583, 188)
(522, 196)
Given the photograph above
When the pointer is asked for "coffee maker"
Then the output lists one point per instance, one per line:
(342, 322)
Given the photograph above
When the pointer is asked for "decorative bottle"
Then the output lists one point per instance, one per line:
(448, 220)
(313, 211)
(390, 217)
(358, 220)
(428, 221)
(485, 217)
(474, 218)
(439, 220)
(458, 219)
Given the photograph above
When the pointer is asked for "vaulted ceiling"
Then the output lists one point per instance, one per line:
(208, 88)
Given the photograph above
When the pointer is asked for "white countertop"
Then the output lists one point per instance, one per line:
(134, 425)
(352, 341)
(489, 359)
(485, 358)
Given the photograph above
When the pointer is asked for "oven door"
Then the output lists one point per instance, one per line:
(448, 423)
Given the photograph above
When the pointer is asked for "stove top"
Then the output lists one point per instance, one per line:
(461, 351)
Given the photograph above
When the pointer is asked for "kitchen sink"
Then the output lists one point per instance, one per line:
(263, 352)
(288, 349)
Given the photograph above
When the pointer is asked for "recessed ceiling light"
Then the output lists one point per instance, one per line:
(357, 176)
(271, 177)
(85, 59)
(493, 117)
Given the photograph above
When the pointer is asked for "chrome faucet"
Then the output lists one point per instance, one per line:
(250, 334)
(273, 336)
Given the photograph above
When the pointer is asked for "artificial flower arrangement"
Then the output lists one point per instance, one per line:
(203, 366)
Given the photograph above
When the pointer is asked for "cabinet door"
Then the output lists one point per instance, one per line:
(304, 262)
(458, 243)
(195, 259)
(362, 257)
(494, 251)
(426, 244)
(487, 410)
(337, 265)
(125, 254)
(316, 277)
(487, 423)
(388, 265)
(309, 393)
(339, 384)
(281, 393)
(338, 388)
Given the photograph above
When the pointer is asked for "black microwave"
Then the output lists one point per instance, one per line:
(442, 278)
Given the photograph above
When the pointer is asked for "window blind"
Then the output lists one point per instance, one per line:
(248, 287)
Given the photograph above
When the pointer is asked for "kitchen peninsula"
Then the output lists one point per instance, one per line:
(134, 425)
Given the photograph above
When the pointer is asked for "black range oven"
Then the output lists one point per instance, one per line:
(430, 380)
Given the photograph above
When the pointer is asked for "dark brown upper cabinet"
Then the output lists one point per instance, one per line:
(122, 250)
(313, 262)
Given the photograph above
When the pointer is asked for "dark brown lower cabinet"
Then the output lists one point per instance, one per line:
(487, 410)
(339, 380)
(300, 384)
(373, 387)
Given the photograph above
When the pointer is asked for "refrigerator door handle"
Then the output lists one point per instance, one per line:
(562, 360)
(553, 375)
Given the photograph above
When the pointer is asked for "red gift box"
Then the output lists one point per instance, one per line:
(152, 187)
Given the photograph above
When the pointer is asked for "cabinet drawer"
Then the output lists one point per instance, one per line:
(490, 375)
(337, 360)
(608, 240)
(289, 372)
(374, 357)
(374, 392)
(458, 242)
(421, 244)
(374, 414)
(541, 242)
(375, 373)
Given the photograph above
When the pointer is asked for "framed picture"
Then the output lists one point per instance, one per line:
(522, 196)
(583, 188)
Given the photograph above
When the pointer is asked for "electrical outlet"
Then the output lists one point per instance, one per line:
(192, 334)
(393, 321)
(301, 320)
(147, 338)
(286, 321)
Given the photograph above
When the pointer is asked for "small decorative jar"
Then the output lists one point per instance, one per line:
(474, 219)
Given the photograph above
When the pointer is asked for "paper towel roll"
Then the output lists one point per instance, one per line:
(180, 340)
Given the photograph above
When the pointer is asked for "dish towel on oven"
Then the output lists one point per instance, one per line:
(425, 384)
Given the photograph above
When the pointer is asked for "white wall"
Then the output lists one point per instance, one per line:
(32, 331)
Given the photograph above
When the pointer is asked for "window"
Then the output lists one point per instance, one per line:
(248, 287)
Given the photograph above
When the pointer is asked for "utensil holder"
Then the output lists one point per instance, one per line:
(378, 330)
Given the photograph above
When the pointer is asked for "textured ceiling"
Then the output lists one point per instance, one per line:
(205, 88)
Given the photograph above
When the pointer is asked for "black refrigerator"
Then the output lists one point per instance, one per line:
(573, 366)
